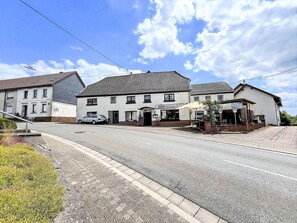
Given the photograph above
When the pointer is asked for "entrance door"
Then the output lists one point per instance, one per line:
(115, 117)
(147, 118)
(24, 111)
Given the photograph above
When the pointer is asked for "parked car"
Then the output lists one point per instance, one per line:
(94, 119)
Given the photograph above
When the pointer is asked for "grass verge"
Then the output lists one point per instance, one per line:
(30, 190)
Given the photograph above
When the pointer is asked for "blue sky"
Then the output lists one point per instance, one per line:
(218, 41)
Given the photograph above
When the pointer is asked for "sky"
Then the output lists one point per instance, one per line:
(206, 41)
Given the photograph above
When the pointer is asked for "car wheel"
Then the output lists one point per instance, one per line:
(79, 121)
(93, 122)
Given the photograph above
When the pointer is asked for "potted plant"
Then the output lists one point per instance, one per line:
(209, 117)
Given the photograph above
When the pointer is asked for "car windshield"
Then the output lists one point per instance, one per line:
(102, 116)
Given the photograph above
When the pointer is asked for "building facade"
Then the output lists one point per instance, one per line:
(216, 91)
(266, 104)
(150, 99)
(42, 98)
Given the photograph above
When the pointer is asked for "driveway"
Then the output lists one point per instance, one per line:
(239, 184)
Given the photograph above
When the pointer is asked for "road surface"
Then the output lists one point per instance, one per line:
(239, 184)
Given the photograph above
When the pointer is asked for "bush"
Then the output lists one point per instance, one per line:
(7, 124)
(30, 190)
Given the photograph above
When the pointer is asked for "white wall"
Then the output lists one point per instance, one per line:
(39, 100)
(104, 105)
(2, 99)
(265, 104)
(213, 97)
(60, 109)
(228, 96)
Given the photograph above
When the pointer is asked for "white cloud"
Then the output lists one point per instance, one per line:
(289, 99)
(140, 60)
(241, 39)
(90, 73)
(76, 48)
(244, 39)
(159, 34)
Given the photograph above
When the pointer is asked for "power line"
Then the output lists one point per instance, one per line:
(267, 76)
(73, 36)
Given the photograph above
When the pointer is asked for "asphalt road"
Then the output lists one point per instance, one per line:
(239, 184)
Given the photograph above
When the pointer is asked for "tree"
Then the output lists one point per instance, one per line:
(287, 119)
(211, 107)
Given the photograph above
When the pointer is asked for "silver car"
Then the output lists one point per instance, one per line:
(94, 119)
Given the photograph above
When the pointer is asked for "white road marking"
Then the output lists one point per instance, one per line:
(265, 171)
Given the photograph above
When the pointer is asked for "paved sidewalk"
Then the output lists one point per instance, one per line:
(274, 138)
(102, 190)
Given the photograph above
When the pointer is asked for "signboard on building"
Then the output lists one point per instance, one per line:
(169, 106)
(236, 105)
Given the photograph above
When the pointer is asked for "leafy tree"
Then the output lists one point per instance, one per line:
(211, 107)
(287, 119)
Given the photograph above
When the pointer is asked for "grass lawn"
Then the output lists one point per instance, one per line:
(30, 190)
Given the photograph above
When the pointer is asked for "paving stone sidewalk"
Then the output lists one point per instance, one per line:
(99, 194)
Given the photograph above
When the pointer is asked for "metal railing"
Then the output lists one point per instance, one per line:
(19, 118)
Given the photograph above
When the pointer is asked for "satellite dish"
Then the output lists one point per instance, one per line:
(30, 67)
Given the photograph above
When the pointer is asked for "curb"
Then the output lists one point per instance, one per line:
(183, 207)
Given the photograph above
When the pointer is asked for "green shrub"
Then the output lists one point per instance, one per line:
(30, 189)
(7, 124)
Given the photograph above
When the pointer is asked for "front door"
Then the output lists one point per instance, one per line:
(24, 111)
(115, 117)
(147, 118)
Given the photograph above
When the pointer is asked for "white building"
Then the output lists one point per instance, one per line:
(138, 99)
(216, 91)
(267, 104)
(42, 98)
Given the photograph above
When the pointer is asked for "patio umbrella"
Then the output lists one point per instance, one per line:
(194, 105)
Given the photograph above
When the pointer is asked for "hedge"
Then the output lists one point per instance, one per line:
(7, 124)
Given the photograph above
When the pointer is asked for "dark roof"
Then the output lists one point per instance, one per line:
(35, 81)
(242, 100)
(239, 87)
(211, 88)
(151, 82)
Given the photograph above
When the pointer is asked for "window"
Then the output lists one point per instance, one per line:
(169, 97)
(91, 101)
(92, 113)
(220, 97)
(9, 95)
(44, 93)
(199, 115)
(131, 116)
(9, 109)
(25, 94)
(170, 115)
(196, 98)
(35, 94)
(147, 99)
(207, 98)
(33, 108)
(43, 108)
(130, 100)
(113, 100)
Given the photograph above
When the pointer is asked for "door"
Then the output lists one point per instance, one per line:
(24, 111)
(115, 117)
(147, 118)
